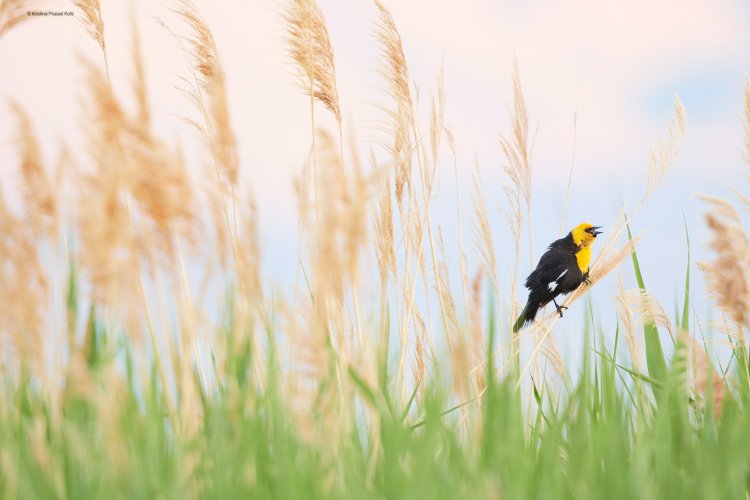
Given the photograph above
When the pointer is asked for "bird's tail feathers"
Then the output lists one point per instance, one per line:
(527, 316)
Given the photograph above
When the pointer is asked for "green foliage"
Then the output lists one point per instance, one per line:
(599, 439)
(657, 366)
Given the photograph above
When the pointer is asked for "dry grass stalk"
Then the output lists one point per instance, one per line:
(570, 175)
(483, 234)
(728, 276)
(443, 287)
(12, 13)
(140, 89)
(422, 356)
(310, 48)
(476, 332)
(396, 73)
(746, 122)
(552, 354)
(463, 264)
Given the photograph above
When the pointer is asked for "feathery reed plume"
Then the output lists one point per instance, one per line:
(210, 80)
(442, 287)
(22, 307)
(728, 276)
(662, 158)
(92, 19)
(552, 354)
(384, 245)
(159, 183)
(336, 251)
(624, 313)
(108, 243)
(701, 370)
(310, 48)
(664, 154)
(476, 333)
(514, 217)
(516, 150)
(38, 190)
(648, 308)
(396, 73)
(12, 13)
(156, 176)
(248, 262)
(610, 263)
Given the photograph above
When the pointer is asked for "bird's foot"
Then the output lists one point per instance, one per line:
(559, 308)
(587, 281)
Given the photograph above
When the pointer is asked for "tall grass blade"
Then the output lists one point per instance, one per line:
(657, 366)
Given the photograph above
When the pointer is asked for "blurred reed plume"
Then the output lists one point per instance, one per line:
(728, 276)
(12, 13)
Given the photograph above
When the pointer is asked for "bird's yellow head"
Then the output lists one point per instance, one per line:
(584, 234)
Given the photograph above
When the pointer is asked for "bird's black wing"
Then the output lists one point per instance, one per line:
(553, 263)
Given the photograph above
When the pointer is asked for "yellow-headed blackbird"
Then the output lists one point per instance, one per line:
(562, 269)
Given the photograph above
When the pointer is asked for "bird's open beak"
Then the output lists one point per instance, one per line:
(595, 230)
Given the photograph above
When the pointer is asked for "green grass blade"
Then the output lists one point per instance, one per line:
(684, 325)
(657, 366)
(409, 403)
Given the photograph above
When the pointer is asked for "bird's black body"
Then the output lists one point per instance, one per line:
(556, 274)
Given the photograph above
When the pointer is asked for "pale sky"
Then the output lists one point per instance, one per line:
(614, 65)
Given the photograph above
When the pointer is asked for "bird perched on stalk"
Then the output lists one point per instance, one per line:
(562, 269)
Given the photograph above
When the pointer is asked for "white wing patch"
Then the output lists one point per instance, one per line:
(553, 284)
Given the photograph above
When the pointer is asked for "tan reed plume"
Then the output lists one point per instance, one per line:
(728, 276)
(396, 73)
(483, 234)
(92, 19)
(310, 48)
(517, 150)
(210, 97)
(703, 373)
(13, 13)
(664, 154)
(40, 198)
(23, 308)
(625, 316)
